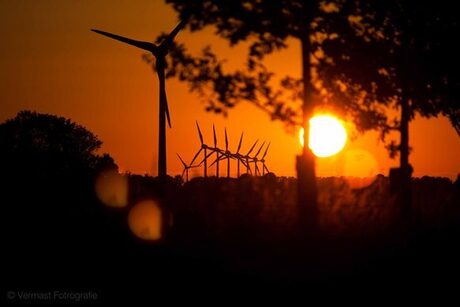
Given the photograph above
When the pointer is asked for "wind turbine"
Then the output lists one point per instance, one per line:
(186, 168)
(238, 156)
(215, 148)
(248, 167)
(203, 147)
(159, 52)
(228, 154)
(264, 167)
(256, 168)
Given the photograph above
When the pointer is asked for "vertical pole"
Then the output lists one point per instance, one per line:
(228, 166)
(217, 164)
(165, 212)
(205, 164)
(161, 123)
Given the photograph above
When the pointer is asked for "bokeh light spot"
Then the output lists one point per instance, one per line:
(144, 220)
(112, 188)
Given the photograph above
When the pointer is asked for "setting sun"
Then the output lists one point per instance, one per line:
(327, 135)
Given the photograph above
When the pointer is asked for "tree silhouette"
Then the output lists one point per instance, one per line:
(48, 168)
(52, 216)
(56, 139)
(50, 155)
(418, 61)
(329, 38)
(419, 67)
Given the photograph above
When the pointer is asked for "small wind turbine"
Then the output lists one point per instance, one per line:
(186, 168)
(264, 167)
(238, 156)
(203, 147)
(159, 52)
(255, 159)
(215, 148)
(228, 154)
(248, 167)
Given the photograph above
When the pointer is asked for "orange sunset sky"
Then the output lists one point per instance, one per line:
(50, 62)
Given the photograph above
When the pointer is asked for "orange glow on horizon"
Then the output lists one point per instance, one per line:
(107, 88)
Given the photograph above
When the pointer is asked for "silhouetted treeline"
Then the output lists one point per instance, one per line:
(221, 232)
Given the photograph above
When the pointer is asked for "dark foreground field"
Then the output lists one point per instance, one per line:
(230, 237)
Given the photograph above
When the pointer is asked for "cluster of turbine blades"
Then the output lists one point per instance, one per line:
(159, 52)
(226, 154)
(186, 167)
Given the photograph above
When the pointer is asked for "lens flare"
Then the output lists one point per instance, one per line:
(327, 135)
(144, 220)
(112, 188)
(360, 168)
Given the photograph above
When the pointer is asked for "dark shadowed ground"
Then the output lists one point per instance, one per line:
(232, 237)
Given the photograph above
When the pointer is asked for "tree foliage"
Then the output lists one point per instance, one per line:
(48, 145)
(362, 54)
(267, 25)
(418, 60)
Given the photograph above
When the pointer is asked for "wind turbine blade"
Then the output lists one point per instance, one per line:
(207, 156)
(199, 133)
(163, 96)
(215, 137)
(252, 148)
(249, 168)
(183, 172)
(239, 144)
(256, 170)
(139, 44)
(170, 38)
(196, 155)
(226, 140)
(167, 110)
(222, 157)
(266, 150)
(183, 163)
(259, 149)
(266, 168)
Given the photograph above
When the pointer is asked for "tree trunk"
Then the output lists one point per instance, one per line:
(305, 163)
(405, 193)
(400, 179)
(404, 131)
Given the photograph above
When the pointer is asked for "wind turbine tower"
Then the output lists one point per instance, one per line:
(159, 52)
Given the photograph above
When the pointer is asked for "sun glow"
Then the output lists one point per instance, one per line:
(327, 135)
